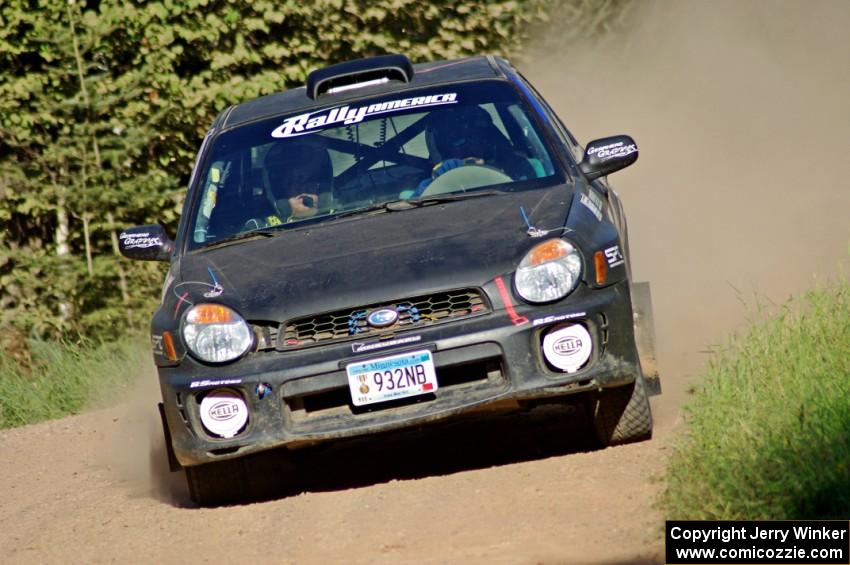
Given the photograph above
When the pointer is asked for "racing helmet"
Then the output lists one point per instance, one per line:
(298, 166)
(462, 132)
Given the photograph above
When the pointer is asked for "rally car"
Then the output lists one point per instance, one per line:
(387, 246)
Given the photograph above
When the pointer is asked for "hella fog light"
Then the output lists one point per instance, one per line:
(550, 271)
(224, 413)
(215, 333)
(568, 348)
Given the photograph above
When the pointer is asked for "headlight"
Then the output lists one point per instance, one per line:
(548, 272)
(215, 333)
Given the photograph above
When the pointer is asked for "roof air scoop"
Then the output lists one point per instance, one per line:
(357, 74)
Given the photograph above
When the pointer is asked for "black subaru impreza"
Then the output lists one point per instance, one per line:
(392, 245)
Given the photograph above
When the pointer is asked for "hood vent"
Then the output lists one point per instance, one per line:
(357, 74)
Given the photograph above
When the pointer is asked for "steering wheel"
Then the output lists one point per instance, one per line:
(466, 176)
(260, 223)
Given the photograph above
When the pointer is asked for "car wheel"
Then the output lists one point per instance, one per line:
(222, 482)
(263, 475)
(622, 414)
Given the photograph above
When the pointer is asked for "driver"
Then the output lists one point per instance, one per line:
(300, 177)
(467, 136)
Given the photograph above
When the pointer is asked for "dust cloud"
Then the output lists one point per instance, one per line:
(741, 111)
(135, 455)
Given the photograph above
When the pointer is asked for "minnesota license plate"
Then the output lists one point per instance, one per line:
(391, 378)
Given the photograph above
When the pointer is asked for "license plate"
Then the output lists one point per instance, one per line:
(391, 378)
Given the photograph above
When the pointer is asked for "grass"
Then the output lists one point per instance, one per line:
(768, 431)
(66, 378)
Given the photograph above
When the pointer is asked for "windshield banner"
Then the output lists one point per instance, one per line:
(303, 124)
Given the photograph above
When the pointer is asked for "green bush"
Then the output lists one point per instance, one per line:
(768, 432)
(65, 378)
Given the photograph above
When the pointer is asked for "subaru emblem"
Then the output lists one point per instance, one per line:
(382, 318)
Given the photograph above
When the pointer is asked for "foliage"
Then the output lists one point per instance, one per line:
(66, 378)
(768, 432)
(103, 105)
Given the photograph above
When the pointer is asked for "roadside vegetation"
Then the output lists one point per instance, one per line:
(768, 431)
(60, 378)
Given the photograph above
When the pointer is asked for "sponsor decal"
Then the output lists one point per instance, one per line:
(568, 348)
(534, 231)
(156, 345)
(218, 382)
(382, 318)
(214, 291)
(606, 152)
(139, 240)
(592, 202)
(303, 124)
(361, 347)
(569, 345)
(558, 318)
(224, 410)
(614, 256)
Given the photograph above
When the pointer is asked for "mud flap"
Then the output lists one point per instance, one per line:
(645, 336)
(173, 464)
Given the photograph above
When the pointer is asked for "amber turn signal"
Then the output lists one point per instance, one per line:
(601, 267)
(548, 251)
(168, 341)
(210, 314)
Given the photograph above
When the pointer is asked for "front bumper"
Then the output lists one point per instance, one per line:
(483, 362)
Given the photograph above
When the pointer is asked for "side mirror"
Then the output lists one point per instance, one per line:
(604, 156)
(146, 243)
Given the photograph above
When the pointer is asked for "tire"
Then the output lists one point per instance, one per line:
(258, 476)
(621, 415)
(214, 484)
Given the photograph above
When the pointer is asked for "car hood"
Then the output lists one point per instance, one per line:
(380, 258)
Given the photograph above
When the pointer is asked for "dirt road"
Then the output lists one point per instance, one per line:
(516, 490)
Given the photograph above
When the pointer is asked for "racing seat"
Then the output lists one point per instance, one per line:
(238, 205)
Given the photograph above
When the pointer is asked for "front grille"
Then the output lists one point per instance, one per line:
(413, 312)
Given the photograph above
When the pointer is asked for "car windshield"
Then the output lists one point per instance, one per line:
(337, 160)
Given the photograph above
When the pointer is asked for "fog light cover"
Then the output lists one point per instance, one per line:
(224, 413)
(568, 348)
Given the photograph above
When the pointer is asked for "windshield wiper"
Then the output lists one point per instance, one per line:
(436, 199)
(264, 232)
(402, 204)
